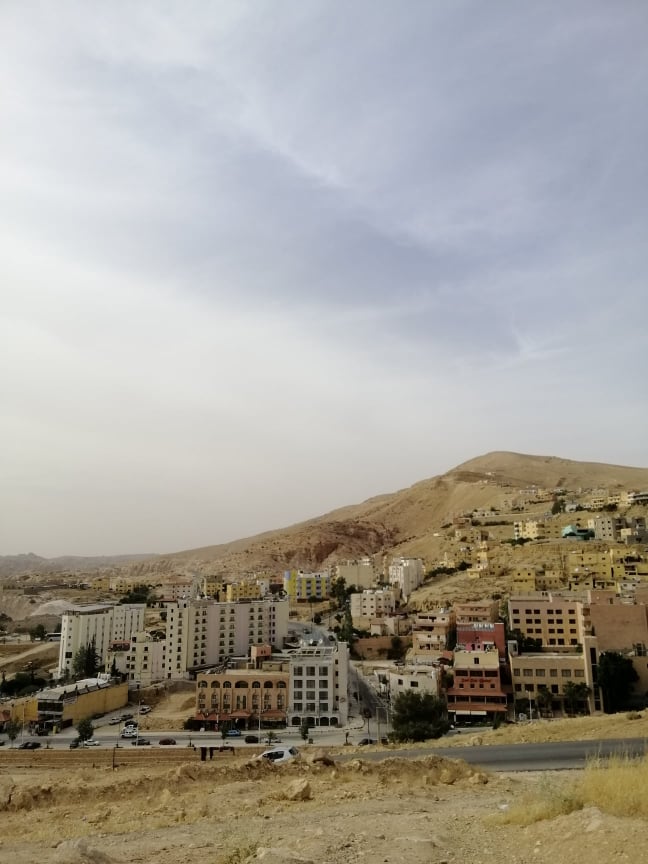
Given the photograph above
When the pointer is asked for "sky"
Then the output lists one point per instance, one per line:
(259, 260)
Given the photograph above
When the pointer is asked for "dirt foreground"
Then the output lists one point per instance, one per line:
(166, 808)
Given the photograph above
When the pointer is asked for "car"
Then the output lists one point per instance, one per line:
(114, 721)
(233, 733)
(140, 742)
(364, 741)
(129, 733)
(90, 742)
(251, 739)
(279, 755)
(74, 744)
(167, 742)
(29, 745)
(144, 709)
(125, 717)
(131, 725)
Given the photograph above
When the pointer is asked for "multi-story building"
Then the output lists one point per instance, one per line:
(361, 573)
(407, 574)
(551, 671)
(248, 589)
(476, 611)
(100, 625)
(204, 632)
(557, 621)
(431, 631)
(142, 659)
(482, 636)
(213, 585)
(318, 686)
(606, 528)
(373, 603)
(301, 586)
(476, 692)
(422, 679)
(245, 698)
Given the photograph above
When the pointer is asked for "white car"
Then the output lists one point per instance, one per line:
(278, 755)
(90, 742)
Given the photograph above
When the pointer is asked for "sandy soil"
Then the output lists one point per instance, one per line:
(229, 811)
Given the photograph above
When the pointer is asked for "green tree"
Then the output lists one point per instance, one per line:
(558, 506)
(37, 632)
(616, 675)
(339, 592)
(418, 716)
(304, 730)
(85, 729)
(12, 728)
(85, 663)
(397, 649)
(575, 697)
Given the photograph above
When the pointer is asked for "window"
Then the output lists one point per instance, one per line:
(528, 673)
(566, 673)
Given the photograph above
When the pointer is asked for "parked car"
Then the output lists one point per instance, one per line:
(144, 709)
(251, 739)
(129, 733)
(29, 745)
(140, 742)
(233, 733)
(364, 741)
(90, 742)
(125, 717)
(114, 721)
(74, 744)
(167, 742)
(131, 725)
(278, 755)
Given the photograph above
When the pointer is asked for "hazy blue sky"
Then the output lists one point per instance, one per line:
(262, 259)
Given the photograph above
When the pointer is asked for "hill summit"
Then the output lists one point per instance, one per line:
(407, 522)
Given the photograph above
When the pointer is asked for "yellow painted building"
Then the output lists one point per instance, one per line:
(249, 589)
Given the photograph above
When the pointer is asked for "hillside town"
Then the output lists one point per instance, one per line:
(550, 604)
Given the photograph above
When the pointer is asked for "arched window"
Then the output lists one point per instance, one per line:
(241, 685)
(227, 684)
(267, 685)
(256, 684)
(202, 683)
(215, 684)
(281, 685)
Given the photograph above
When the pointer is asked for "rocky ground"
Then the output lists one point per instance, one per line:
(173, 808)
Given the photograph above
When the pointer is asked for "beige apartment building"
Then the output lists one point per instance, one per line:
(373, 603)
(559, 622)
(553, 670)
(249, 589)
(244, 698)
(477, 611)
(362, 573)
(476, 692)
(431, 631)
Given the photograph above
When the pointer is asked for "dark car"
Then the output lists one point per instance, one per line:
(141, 742)
(251, 739)
(167, 742)
(29, 745)
(125, 717)
(364, 741)
(74, 744)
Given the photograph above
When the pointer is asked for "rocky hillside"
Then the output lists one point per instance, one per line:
(407, 522)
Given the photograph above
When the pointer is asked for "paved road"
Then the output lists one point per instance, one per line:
(515, 757)
(526, 757)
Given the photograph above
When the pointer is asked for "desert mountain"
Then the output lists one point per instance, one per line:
(407, 522)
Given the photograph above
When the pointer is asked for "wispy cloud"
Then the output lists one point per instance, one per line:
(259, 261)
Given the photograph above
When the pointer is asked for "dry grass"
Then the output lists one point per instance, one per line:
(618, 786)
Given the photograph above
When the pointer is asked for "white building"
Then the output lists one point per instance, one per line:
(373, 603)
(319, 679)
(204, 632)
(422, 679)
(407, 574)
(142, 659)
(101, 624)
